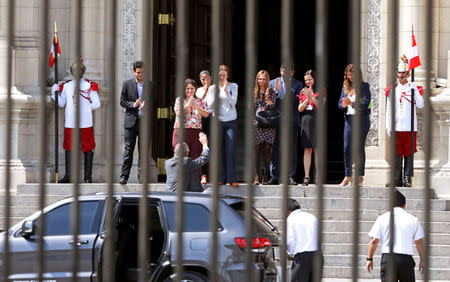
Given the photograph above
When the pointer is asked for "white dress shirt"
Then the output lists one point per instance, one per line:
(209, 99)
(350, 110)
(406, 230)
(227, 102)
(302, 231)
(403, 107)
(88, 102)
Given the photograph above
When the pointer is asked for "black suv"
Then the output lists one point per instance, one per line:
(162, 239)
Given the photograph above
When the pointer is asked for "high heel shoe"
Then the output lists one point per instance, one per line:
(360, 181)
(256, 181)
(346, 180)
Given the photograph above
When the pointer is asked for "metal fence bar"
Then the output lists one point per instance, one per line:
(145, 142)
(355, 40)
(321, 59)
(250, 67)
(181, 70)
(428, 135)
(43, 134)
(8, 136)
(215, 130)
(393, 7)
(108, 269)
(75, 146)
(286, 122)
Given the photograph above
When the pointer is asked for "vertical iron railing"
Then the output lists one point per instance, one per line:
(43, 134)
(215, 129)
(250, 71)
(355, 40)
(392, 56)
(108, 269)
(427, 139)
(286, 121)
(76, 146)
(321, 60)
(8, 143)
(181, 40)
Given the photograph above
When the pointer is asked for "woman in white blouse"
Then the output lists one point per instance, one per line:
(227, 115)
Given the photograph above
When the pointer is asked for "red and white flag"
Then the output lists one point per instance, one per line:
(51, 60)
(414, 60)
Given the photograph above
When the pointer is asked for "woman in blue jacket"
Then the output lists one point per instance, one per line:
(346, 101)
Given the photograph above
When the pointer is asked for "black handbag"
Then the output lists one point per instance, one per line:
(268, 118)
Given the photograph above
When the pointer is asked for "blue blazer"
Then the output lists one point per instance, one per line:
(296, 87)
(364, 102)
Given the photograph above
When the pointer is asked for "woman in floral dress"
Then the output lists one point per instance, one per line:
(265, 98)
(194, 110)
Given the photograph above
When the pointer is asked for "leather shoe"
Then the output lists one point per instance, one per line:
(123, 180)
(292, 181)
(272, 181)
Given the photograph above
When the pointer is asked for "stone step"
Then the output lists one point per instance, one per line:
(365, 226)
(346, 260)
(339, 248)
(347, 203)
(364, 215)
(346, 272)
(346, 238)
(329, 191)
(29, 200)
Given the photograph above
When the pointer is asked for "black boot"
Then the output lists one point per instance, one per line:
(66, 178)
(408, 171)
(397, 173)
(88, 159)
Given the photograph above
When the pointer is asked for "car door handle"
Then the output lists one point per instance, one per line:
(82, 242)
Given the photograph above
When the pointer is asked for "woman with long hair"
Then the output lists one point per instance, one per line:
(194, 110)
(308, 103)
(264, 99)
(346, 103)
(227, 116)
(204, 94)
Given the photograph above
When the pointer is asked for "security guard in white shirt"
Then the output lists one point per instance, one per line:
(302, 244)
(407, 230)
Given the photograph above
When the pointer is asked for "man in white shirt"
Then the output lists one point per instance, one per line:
(407, 230)
(89, 101)
(402, 128)
(302, 244)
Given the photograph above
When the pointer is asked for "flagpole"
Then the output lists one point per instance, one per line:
(412, 121)
(55, 48)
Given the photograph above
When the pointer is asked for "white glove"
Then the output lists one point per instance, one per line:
(55, 88)
(388, 132)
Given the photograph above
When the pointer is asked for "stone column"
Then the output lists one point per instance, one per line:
(441, 171)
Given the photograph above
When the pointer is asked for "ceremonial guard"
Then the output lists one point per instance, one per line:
(403, 121)
(89, 101)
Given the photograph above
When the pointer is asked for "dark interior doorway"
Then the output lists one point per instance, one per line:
(268, 57)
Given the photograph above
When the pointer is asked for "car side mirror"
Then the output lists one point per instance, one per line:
(27, 228)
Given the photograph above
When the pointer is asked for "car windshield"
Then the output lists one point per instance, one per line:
(262, 224)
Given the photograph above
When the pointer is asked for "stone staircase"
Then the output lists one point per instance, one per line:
(337, 218)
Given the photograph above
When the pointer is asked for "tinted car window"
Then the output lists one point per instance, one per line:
(262, 224)
(58, 220)
(196, 217)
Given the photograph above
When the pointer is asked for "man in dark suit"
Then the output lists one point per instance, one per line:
(131, 98)
(280, 84)
(191, 179)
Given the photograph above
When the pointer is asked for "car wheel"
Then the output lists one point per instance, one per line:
(188, 276)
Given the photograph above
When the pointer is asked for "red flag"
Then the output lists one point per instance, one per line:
(51, 60)
(414, 60)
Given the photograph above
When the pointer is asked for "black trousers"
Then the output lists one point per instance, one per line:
(303, 266)
(130, 135)
(403, 268)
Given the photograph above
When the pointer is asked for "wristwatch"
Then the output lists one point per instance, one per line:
(369, 259)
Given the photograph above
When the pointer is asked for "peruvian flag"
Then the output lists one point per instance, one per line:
(414, 60)
(51, 60)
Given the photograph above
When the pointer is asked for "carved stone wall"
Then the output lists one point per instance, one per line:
(373, 67)
(129, 38)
